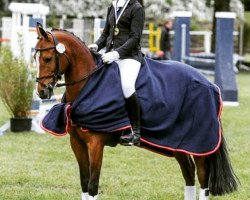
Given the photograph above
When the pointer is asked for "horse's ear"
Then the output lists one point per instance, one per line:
(41, 32)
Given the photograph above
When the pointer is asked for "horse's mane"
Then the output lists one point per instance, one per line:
(69, 32)
(94, 54)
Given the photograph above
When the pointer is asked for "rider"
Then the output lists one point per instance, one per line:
(121, 37)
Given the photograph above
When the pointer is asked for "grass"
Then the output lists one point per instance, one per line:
(43, 167)
(247, 57)
(247, 16)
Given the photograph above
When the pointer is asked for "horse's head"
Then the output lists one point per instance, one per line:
(50, 65)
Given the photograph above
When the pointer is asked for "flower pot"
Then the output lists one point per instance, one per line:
(20, 124)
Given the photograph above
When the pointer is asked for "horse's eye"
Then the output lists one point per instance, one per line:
(47, 60)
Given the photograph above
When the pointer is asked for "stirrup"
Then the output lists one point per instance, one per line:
(130, 139)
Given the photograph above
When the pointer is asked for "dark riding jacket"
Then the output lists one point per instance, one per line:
(130, 25)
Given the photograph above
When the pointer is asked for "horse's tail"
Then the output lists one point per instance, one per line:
(222, 179)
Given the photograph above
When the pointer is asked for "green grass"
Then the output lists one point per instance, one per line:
(247, 57)
(247, 16)
(43, 167)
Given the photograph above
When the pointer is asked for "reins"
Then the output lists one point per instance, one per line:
(82, 79)
(57, 73)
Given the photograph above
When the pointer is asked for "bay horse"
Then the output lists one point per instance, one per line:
(60, 52)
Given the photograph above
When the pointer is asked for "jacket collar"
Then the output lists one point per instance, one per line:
(119, 4)
(130, 2)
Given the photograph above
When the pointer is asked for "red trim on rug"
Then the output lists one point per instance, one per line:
(84, 130)
(68, 107)
(122, 128)
(187, 152)
(119, 129)
(51, 132)
(68, 121)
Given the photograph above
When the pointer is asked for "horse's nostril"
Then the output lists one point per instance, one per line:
(45, 93)
(42, 94)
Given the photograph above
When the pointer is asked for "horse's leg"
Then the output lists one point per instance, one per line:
(202, 173)
(95, 149)
(81, 152)
(188, 171)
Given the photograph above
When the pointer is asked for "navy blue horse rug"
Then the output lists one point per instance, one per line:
(180, 108)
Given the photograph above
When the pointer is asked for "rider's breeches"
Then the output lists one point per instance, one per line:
(129, 70)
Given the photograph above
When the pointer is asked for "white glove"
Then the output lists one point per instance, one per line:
(93, 47)
(110, 57)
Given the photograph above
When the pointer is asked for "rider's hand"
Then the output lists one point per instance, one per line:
(110, 57)
(93, 47)
(160, 54)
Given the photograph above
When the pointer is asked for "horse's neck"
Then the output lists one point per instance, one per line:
(81, 66)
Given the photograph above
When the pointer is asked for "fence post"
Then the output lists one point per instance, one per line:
(224, 69)
(181, 18)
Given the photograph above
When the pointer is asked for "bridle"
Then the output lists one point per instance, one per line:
(57, 75)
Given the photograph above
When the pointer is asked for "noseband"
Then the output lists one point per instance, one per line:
(57, 75)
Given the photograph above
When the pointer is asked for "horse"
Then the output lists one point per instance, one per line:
(61, 53)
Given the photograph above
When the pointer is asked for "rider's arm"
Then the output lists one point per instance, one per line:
(137, 25)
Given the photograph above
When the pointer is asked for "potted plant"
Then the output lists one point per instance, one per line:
(16, 89)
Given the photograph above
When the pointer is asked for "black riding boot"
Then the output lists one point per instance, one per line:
(133, 109)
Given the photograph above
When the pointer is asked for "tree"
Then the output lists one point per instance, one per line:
(1, 5)
(246, 4)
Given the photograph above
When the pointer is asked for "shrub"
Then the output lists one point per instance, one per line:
(16, 85)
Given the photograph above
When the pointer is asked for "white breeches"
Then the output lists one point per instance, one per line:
(129, 70)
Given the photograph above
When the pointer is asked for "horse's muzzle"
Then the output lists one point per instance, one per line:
(45, 93)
